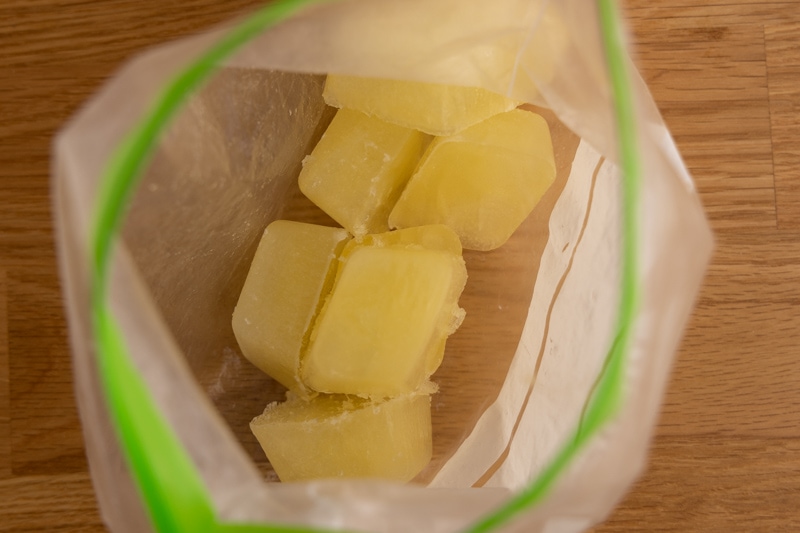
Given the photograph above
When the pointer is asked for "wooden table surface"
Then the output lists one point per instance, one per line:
(726, 76)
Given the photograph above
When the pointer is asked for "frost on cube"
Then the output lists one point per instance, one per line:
(293, 268)
(359, 168)
(335, 436)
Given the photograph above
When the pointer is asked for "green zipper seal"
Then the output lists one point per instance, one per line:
(607, 398)
(173, 492)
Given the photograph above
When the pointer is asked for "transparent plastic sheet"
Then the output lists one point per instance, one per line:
(227, 167)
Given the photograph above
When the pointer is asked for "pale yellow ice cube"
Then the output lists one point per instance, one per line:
(359, 168)
(341, 437)
(432, 108)
(482, 182)
(383, 328)
(293, 269)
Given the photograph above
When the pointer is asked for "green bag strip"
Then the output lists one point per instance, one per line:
(607, 398)
(172, 490)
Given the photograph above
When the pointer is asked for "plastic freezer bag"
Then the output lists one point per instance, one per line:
(598, 282)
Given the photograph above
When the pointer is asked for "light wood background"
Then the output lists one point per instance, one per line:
(726, 456)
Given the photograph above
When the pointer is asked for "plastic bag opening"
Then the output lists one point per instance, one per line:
(222, 465)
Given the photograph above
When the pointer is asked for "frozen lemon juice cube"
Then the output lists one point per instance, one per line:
(336, 436)
(293, 268)
(482, 182)
(359, 168)
(383, 329)
(432, 108)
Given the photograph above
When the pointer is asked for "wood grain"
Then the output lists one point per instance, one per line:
(5, 405)
(747, 304)
(40, 375)
(725, 457)
(715, 485)
(782, 41)
(715, 85)
(725, 76)
(54, 502)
